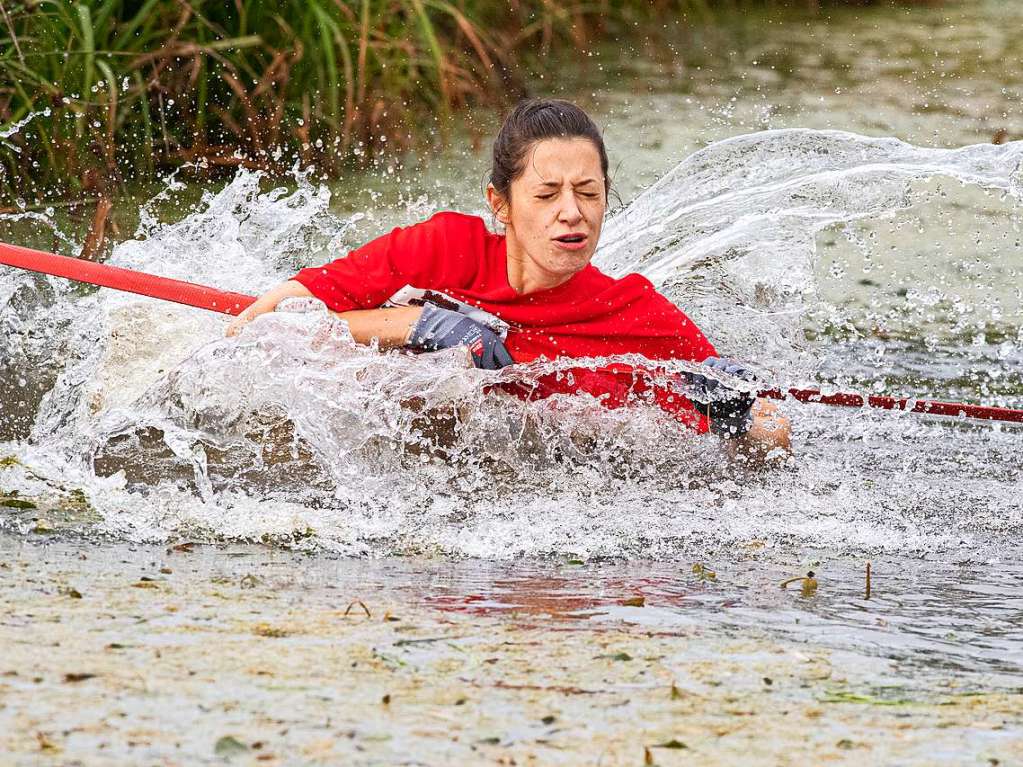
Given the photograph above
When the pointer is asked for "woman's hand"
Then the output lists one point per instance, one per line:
(768, 439)
(267, 303)
(729, 416)
(753, 427)
(439, 328)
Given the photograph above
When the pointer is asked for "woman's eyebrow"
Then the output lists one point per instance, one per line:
(555, 184)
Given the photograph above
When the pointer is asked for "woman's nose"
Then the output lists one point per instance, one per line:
(569, 211)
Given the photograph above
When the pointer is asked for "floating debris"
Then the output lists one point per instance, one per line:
(673, 743)
(808, 584)
(633, 602)
(703, 573)
(266, 630)
(17, 503)
(250, 581)
(73, 677)
(361, 604)
(618, 656)
(45, 744)
(229, 746)
(844, 696)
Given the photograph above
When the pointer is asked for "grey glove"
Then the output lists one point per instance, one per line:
(442, 328)
(730, 415)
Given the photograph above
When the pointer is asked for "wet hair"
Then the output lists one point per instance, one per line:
(534, 120)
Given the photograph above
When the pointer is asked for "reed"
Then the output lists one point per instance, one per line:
(112, 90)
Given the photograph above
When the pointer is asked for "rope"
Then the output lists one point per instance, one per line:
(908, 404)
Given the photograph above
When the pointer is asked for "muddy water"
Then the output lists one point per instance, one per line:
(148, 654)
(864, 235)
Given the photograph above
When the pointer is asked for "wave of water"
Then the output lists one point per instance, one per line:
(156, 427)
(731, 233)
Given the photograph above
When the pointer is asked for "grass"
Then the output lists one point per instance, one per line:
(113, 90)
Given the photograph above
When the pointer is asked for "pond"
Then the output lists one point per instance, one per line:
(834, 198)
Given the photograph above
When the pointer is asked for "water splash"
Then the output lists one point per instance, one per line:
(731, 232)
(293, 433)
(16, 127)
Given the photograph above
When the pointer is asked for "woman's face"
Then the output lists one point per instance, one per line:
(557, 205)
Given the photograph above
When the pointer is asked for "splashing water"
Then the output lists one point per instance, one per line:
(17, 125)
(292, 432)
(743, 216)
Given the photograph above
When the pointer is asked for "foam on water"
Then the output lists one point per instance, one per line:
(292, 432)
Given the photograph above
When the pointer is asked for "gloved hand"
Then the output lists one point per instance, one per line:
(442, 328)
(731, 415)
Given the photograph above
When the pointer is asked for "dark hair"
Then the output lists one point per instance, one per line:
(534, 120)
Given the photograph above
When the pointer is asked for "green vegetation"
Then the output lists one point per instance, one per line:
(97, 92)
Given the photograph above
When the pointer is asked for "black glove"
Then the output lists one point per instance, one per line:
(729, 410)
(442, 328)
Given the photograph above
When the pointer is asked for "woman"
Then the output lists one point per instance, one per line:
(549, 188)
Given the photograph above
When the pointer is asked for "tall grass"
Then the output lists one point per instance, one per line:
(115, 89)
(130, 85)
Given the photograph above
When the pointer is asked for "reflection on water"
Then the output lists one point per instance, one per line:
(931, 620)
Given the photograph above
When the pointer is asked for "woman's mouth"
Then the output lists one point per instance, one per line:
(571, 241)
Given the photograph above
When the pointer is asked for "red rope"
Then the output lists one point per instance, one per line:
(128, 280)
(911, 405)
(225, 302)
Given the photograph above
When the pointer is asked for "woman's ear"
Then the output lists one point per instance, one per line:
(498, 204)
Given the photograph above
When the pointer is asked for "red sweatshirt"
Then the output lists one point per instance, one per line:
(591, 315)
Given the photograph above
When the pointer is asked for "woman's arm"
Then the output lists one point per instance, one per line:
(441, 252)
(267, 303)
(390, 327)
